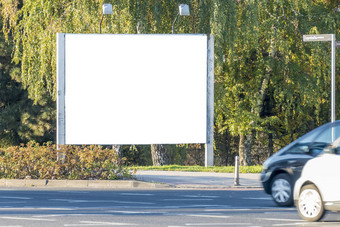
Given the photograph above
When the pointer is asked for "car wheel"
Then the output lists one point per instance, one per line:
(281, 190)
(310, 205)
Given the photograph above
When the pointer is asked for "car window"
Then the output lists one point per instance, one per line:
(326, 135)
(310, 136)
(313, 149)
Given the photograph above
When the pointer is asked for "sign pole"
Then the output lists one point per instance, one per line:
(334, 44)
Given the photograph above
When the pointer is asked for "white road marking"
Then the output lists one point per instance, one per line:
(217, 224)
(10, 225)
(133, 212)
(74, 192)
(14, 202)
(206, 216)
(48, 208)
(93, 223)
(34, 208)
(27, 219)
(258, 198)
(193, 206)
(48, 215)
(141, 194)
(99, 201)
(293, 224)
(12, 197)
(187, 199)
(127, 202)
(278, 219)
(231, 209)
(271, 209)
(201, 196)
(70, 200)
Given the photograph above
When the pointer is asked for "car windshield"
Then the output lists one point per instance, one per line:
(322, 135)
(313, 148)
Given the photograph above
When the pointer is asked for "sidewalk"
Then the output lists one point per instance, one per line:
(179, 179)
(145, 180)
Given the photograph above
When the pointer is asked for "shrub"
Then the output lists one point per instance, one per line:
(74, 162)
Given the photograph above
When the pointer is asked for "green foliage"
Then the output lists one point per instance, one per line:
(20, 121)
(268, 83)
(40, 162)
(215, 169)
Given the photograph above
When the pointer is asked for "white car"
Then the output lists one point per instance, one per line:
(318, 188)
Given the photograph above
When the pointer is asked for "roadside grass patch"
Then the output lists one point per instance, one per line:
(215, 169)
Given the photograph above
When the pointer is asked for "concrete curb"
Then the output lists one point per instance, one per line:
(105, 184)
(227, 187)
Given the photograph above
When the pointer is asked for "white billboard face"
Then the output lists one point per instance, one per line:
(135, 89)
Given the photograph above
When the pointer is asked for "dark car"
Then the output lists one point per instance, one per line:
(281, 170)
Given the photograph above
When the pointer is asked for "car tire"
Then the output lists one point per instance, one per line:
(310, 205)
(281, 190)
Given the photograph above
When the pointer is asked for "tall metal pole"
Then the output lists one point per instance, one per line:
(209, 146)
(60, 93)
(333, 43)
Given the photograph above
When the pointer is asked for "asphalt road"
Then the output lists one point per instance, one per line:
(170, 208)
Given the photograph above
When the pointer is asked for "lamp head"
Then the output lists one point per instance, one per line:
(184, 10)
(107, 8)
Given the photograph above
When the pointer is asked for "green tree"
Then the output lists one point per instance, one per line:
(20, 120)
(265, 82)
(269, 85)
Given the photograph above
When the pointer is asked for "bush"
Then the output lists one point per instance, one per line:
(79, 162)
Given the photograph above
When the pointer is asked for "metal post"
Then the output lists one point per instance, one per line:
(325, 38)
(237, 170)
(173, 24)
(333, 45)
(209, 146)
(60, 92)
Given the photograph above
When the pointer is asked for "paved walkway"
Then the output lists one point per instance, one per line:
(199, 179)
(146, 180)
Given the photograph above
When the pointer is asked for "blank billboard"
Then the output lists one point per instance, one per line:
(135, 89)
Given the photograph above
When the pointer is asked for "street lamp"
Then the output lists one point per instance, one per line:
(182, 11)
(107, 9)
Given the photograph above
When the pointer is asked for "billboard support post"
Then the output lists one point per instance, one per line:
(209, 146)
(60, 91)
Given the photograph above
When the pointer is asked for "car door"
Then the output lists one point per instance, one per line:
(325, 174)
(296, 158)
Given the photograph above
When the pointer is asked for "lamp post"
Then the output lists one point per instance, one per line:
(182, 11)
(107, 9)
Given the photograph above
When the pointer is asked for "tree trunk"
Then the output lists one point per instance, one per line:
(245, 145)
(159, 155)
(118, 150)
(270, 144)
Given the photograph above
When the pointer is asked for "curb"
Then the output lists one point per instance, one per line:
(95, 184)
(195, 186)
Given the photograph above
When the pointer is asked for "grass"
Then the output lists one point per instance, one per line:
(216, 169)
